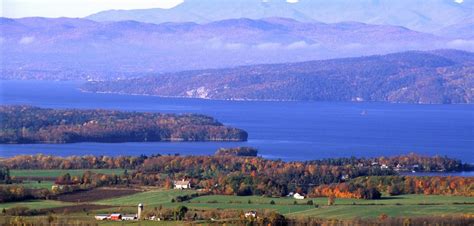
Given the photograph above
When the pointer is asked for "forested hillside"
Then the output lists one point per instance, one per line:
(26, 124)
(441, 76)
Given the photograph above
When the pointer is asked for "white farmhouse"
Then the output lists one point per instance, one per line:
(182, 184)
(298, 196)
(251, 214)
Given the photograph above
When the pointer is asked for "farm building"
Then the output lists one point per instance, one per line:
(298, 196)
(101, 217)
(116, 216)
(129, 217)
(182, 184)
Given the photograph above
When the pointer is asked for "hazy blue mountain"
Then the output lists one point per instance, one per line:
(65, 47)
(441, 76)
(420, 15)
(463, 30)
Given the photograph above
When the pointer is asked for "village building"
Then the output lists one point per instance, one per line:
(383, 166)
(182, 184)
(398, 167)
(298, 196)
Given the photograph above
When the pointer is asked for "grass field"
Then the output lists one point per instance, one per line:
(35, 204)
(35, 184)
(149, 198)
(404, 205)
(348, 212)
(56, 173)
(391, 200)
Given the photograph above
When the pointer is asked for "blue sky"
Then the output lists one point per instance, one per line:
(74, 8)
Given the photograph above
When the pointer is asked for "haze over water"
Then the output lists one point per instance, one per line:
(286, 130)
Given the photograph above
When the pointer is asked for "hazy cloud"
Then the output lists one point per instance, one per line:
(269, 45)
(26, 40)
(298, 45)
(353, 46)
(461, 44)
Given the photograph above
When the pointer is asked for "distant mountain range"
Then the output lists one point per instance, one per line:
(66, 48)
(441, 76)
(419, 15)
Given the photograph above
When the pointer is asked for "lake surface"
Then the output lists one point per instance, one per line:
(285, 130)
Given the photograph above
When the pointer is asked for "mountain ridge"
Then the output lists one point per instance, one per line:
(426, 16)
(101, 50)
(440, 76)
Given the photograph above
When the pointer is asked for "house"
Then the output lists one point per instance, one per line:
(56, 187)
(345, 177)
(101, 217)
(153, 218)
(298, 196)
(399, 167)
(182, 184)
(251, 214)
(129, 217)
(115, 217)
(383, 166)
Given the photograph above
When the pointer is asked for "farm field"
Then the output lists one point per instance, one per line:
(35, 204)
(35, 184)
(403, 205)
(149, 198)
(389, 200)
(59, 172)
(349, 212)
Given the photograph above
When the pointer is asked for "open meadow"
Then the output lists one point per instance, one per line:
(59, 172)
(392, 206)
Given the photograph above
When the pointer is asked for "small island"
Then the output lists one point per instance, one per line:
(28, 124)
(238, 151)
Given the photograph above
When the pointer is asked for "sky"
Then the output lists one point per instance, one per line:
(74, 8)
(82, 8)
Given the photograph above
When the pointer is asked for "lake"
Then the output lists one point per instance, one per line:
(280, 130)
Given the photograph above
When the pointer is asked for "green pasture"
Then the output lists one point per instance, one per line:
(59, 172)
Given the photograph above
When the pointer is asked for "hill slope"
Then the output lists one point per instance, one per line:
(442, 76)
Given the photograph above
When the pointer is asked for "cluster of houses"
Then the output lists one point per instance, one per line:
(116, 217)
(121, 217)
(398, 167)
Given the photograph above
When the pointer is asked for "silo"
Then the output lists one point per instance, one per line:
(140, 211)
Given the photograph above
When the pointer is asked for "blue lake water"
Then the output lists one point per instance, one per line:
(286, 130)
